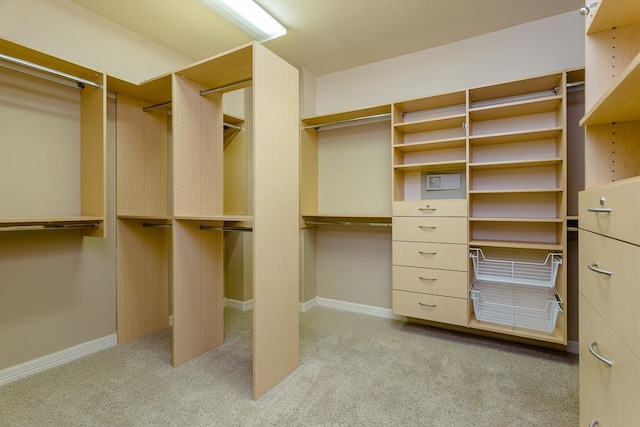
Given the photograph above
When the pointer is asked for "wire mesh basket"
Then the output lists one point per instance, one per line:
(517, 306)
(523, 268)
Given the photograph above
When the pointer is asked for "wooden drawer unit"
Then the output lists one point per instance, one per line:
(431, 255)
(448, 207)
(616, 385)
(436, 229)
(609, 271)
(430, 307)
(430, 281)
(612, 210)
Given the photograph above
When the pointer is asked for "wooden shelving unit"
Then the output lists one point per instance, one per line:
(184, 180)
(507, 143)
(345, 170)
(63, 182)
(608, 208)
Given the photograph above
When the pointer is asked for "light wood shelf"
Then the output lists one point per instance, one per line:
(431, 145)
(453, 121)
(520, 108)
(609, 14)
(516, 164)
(517, 191)
(617, 104)
(516, 219)
(431, 166)
(516, 244)
(556, 337)
(519, 136)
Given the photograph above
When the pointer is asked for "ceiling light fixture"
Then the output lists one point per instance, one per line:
(250, 17)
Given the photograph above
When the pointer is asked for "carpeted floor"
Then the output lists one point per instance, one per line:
(355, 370)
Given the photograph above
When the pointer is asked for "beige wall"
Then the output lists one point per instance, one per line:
(536, 48)
(67, 31)
(58, 287)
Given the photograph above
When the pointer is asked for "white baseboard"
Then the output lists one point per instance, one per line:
(238, 305)
(248, 305)
(358, 308)
(303, 307)
(573, 347)
(58, 358)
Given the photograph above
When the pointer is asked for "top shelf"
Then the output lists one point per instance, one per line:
(618, 104)
(608, 15)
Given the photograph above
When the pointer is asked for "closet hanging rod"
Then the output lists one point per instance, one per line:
(34, 227)
(227, 86)
(574, 84)
(224, 228)
(154, 106)
(357, 119)
(81, 82)
(349, 223)
(152, 225)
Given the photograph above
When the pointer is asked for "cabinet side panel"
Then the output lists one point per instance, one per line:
(93, 136)
(141, 144)
(198, 150)
(142, 280)
(276, 213)
(235, 174)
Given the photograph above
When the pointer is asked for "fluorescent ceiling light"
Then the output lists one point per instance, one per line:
(250, 17)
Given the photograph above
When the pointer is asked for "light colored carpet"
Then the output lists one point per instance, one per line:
(355, 370)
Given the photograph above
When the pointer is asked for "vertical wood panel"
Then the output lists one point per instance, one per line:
(198, 323)
(198, 149)
(93, 159)
(276, 214)
(142, 280)
(141, 158)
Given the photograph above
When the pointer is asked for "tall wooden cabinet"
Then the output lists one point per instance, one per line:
(609, 211)
(171, 213)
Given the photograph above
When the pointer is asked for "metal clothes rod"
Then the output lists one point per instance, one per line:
(227, 86)
(229, 125)
(574, 84)
(152, 225)
(81, 82)
(34, 227)
(363, 224)
(357, 119)
(154, 106)
(224, 228)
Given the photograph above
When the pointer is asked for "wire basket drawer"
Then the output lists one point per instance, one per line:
(517, 306)
(524, 268)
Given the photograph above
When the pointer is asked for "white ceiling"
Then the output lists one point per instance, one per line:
(325, 36)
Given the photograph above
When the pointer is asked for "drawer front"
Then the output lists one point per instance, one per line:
(623, 201)
(615, 297)
(618, 386)
(435, 229)
(430, 307)
(430, 281)
(444, 207)
(431, 255)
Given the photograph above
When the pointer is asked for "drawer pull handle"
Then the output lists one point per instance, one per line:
(597, 355)
(605, 210)
(594, 422)
(428, 305)
(427, 209)
(426, 278)
(426, 227)
(427, 253)
(594, 267)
